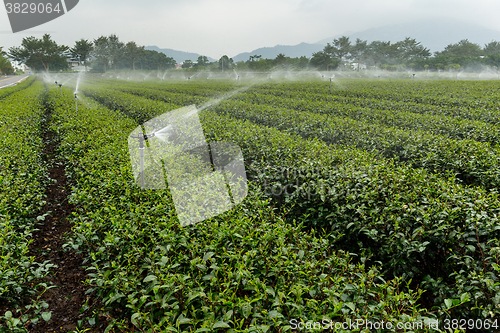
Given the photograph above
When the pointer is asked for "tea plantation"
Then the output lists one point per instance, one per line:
(374, 201)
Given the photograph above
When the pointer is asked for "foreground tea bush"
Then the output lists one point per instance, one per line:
(421, 226)
(22, 184)
(441, 235)
(245, 270)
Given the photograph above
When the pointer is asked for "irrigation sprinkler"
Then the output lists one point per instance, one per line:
(76, 102)
(56, 83)
(413, 77)
(330, 85)
(60, 88)
(142, 138)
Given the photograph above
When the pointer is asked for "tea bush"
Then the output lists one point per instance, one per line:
(23, 178)
(421, 226)
(245, 270)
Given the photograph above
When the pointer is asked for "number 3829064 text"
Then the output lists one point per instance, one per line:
(27, 8)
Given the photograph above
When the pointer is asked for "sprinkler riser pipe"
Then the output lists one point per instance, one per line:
(142, 139)
(141, 161)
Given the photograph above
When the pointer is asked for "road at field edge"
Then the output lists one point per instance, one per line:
(9, 80)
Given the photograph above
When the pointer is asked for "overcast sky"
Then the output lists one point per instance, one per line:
(217, 27)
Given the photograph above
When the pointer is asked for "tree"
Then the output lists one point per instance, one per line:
(409, 49)
(379, 52)
(34, 51)
(156, 60)
(5, 65)
(281, 60)
(464, 48)
(225, 63)
(242, 66)
(202, 61)
(303, 62)
(164, 62)
(359, 50)
(115, 48)
(261, 65)
(492, 48)
(132, 52)
(255, 57)
(82, 51)
(187, 64)
(323, 61)
(101, 51)
(339, 49)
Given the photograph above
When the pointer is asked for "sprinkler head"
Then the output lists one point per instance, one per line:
(60, 85)
(142, 138)
(76, 97)
(56, 82)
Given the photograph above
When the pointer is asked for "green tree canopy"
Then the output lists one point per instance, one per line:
(492, 48)
(101, 51)
(203, 61)
(464, 48)
(359, 50)
(380, 52)
(156, 60)
(5, 66)
(409, 49)
(82, 51)
(281, 60)
(340, 48)
(187, 64)
(255, 57)
(116, 49)
(132, 52)
(323, 61)
(34, 51)
(225, 63)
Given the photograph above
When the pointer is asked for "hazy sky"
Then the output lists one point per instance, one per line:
(217, 27)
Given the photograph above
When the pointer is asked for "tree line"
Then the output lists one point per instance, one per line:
(408, 54)
(102, 54)
(108, 52)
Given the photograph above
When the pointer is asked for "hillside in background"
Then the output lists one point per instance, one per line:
(293, 51)
(179, 56)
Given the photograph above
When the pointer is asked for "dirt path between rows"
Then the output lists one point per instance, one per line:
(66, 299)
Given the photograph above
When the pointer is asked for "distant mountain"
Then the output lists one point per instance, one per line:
(292, 51)
(435, 34)
(179, 56)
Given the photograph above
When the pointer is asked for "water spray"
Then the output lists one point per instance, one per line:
(142, 139)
